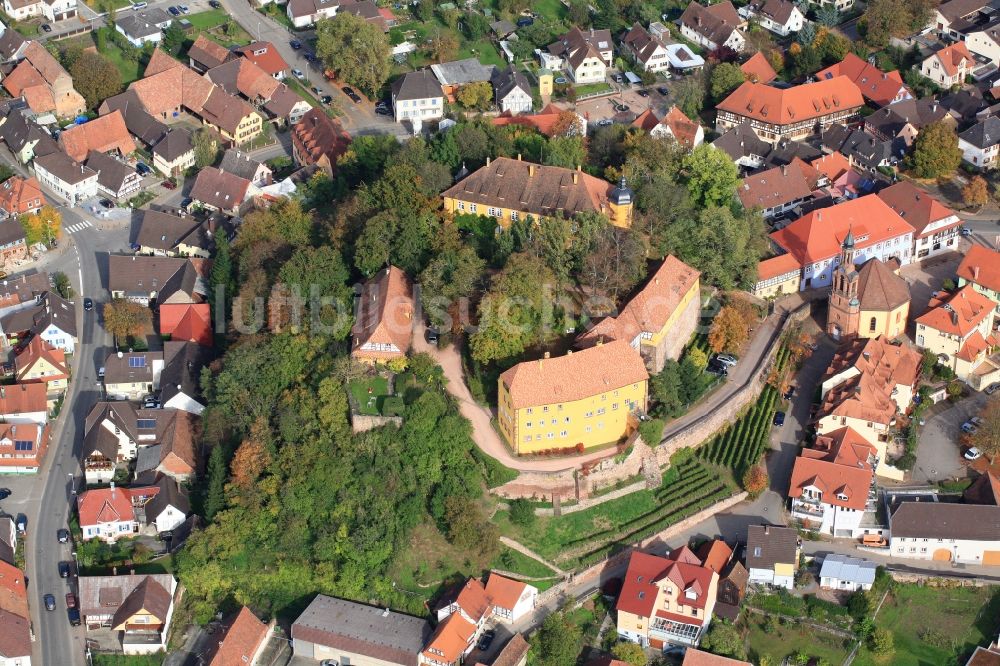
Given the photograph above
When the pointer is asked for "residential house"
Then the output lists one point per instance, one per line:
(462, 615)
(265, 56)
(511, 599)
(13, 245)
(714, 26)
(24, 404)
(953, 17)
(50, 10)
(743, 146)
(205, 54)
(115, 179)
(304, 13)
(980, 144)
(25, 139)
(579, 400)
(984, 490)
(104, 134)
(380, 17)
(833, 483)
(949, 66)
(140, 607)
(980, 268)
(20, 196)
(537, 190)
(547, 121)
(936, 227)
(43, 83)
(71, 181)
(778, 275)
(720, 558)
(453, 75)
(219, 190)
(50, 317)
(757, 69)
(175, 457)
(666, 600)
(786, 151)
(659, 320)
(674, 124)
(863, 150)
(244, 641)
(965, 105)
(985, 655)
(163, 279)
(241, 164)
(22, 291)
(511, 91)
(241, 76)
(985, 42)
(946, 532)
(514, 653)
(645, 50)
(167, 508)
(141, 27)
(319, 140)
(958, 328)
(8, 539)
(417, 96)
(869, 302)
(814, 239)
(895, 366)
(42, 363)
(187, 322)
(683, 59)
(174, 152)
(184, 356)
(383, 324)
(585, 55)
(777, 191)
(903, 120)
(22, 447)
(140, 124)
(15, 620)
(164, 234)
(793, 113)
(347, 631)
(844, 181)
(773, 555)
(12, 45)
(782, 17)
(695, 657)
(877, 87)
(132, 375)
(108, 514)
(840, 572)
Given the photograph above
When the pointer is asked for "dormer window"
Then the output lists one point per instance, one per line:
(690, 594)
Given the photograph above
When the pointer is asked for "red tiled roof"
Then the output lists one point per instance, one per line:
(19, 195)
(793, 105)
(639, 589)
(385, 315)
(38, 349)
(187, 321)
(833, 474)
(105, 505)
(503, 591)
(833, 166)
(103, 134)
(981, 265)
(695, 657)
(779, 265)
(242, 640)
(474, 600)
(917, 207)
(683, 128)
(269, 60)
(818, 235)
(545, 121)
(758, 69)
(715, 555)
(646, 120)
(13, 591)
(951, 57)
(450, 640)
(22, 399)
(967, 308)
(878, 86)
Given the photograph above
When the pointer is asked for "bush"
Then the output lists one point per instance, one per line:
(522, 512)
(651, 431)
(393, 406)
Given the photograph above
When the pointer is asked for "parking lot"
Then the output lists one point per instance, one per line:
(939, 453)
(601, 108)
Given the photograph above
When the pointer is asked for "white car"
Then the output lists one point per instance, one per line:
(973, 454)
(727, 359)
(297, 73)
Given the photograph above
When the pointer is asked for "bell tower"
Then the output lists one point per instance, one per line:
(844, 313)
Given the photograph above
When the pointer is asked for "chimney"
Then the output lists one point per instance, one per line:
(545, 355)
(519, 157)
(975, 272)
(487, 160)
(114, 571)
(531, 170)
(576, 177)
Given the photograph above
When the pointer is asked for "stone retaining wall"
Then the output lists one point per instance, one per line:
(363, 423)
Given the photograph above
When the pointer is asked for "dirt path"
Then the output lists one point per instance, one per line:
(524, 550)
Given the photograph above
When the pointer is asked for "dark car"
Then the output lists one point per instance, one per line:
(74, 616)
(64, 569)
(70, 600)
(63, 535)
(215, 4)
(779, 418)
(46, 27)
(486, 640)
(50, 602)
(4, 493)
(432, 336)
(107, 203)
(383, 111)
(663, 91)
(789, 393)
(174, 11)
(143, 168)
(350, 93)
(309, 56)
(642, 93)
(295, 44)
(326, 99)
(169, 184)
(524, 22)
(88, 304)
(716, 368)
(186, 201)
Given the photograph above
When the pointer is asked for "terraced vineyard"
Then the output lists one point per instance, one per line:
(741, 445)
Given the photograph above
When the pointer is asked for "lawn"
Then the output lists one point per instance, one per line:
(369, 393)
(483, 50)
(934, 625)
(793, 639)
(207, 20)
(519, 563)
(129, 69)
(307, 95)
(592, 88)
(107, 659)
(553, 10)
(277, 13)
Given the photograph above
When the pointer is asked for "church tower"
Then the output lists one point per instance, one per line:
(844, 313)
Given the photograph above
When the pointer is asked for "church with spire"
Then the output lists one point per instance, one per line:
(867, 301)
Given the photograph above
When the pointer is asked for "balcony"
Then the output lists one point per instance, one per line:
(811, 509)
(675, 631)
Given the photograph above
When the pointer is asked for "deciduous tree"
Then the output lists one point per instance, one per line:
(443, 46)
(729, 331)
(356, 49)
(987, 436)
(43, 226)
(557, 642)
(723, 638)
(126, 319)
(617, 261)
(629, 652)
(882, 641)
(478, 95)
(206, 147)
(726, 77)
(755, 481)
(724, 247)
(710, 175)
(95, 77)
(976, 193)
(935, 152)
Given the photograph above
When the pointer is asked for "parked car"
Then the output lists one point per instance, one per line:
(215, 4)
(106, 203)
(50, 602)
(432, 336)
(297, 73)
(605, 122)
(992, 388)
(973, 454)
(779, 419)
(727, 359)
(353, 95)
(969, 428)
(789, 393)
(63, 535)
(22, 523)
(965, 231)
(100, 372)
(382, 111)
(717, 369)
(486, 640)
(64, 569)
(663, 91)
(326, 99)
(4, 493)
(74, 616)
(619, 78)
(70, 600)
(174, 11)
(524, 22)
(151, 403)
(316, 90)
(184, 9)
(295, 44)
(46, 27)
(143, 168)
(642, 92)
(88, 304)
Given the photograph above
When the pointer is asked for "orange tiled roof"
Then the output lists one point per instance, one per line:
(160, 61)
(450, 640)
(975, 345)
(891, 364)
(574, 376)
(878, 86)
(833, 166)
(862, 397)
(958, 314)
(38, 349)
(818, 235)
(981, 265)
(758, 70)
(13, 591)
(918, 207)
(646, 120)
(23, 76)
(103, 134)
(834, 474)
(474, 600)
(270, 60)
(385, 315)
(682, 127)
(545, 121)
(715, 555)
(19, 195)
(243, 639)
(105, 505)
(779, 265)
(951, 57)
(39, 98)
(503, 591)
(801, 103)
(22, 399)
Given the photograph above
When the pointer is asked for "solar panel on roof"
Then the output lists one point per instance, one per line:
(23, 445)
(137, 362)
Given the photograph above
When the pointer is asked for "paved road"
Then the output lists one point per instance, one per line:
(939, 452)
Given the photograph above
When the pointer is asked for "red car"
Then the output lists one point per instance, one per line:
(70, 600)
(169, 184)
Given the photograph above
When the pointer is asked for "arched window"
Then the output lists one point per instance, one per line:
(871, 325)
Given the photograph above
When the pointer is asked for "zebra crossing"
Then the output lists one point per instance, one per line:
(79, 226)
